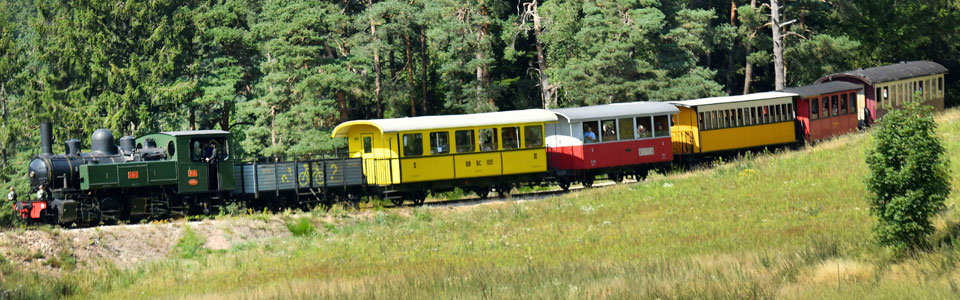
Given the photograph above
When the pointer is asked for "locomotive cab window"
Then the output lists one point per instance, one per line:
(439, 142)
(465, 141)
(532, 136)
(204, 148)
(488, 139)
(412, 144)
(590, 132)
(609, 133)
(171, 149)
(511, 138)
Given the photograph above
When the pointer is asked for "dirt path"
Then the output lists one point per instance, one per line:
(126, 245)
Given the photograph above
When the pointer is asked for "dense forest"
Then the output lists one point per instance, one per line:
(281, 74)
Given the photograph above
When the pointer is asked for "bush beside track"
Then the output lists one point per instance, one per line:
(787, 225)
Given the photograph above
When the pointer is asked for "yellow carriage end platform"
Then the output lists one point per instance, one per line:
(730, 123)
(449, 148)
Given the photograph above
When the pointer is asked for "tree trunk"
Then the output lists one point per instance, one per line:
(192, 118)
(482, 75)
(546, 94)
(413, 99)
(344, 111)
(730, 64)
(780, 77)
(748, 69)
(376, 69)
(225, 117)
(423, 70)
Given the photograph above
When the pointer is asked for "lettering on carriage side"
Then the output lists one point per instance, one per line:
(191, 173)
(285, 178)
(645, 151)
(468, 163)
(335, 169)
(479, 163)
(534, 156)
(490, 162)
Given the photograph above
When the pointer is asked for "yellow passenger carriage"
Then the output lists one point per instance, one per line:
(406, 157)
(725, 124)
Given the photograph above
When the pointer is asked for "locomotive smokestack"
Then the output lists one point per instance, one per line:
(46, 139)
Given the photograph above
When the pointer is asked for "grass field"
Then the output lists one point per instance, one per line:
(783, 225)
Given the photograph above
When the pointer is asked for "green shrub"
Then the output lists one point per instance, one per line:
(301, 227)
(909, 178)
(190, 244)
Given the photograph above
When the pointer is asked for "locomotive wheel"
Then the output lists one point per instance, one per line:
(109, 211)
(397, 201)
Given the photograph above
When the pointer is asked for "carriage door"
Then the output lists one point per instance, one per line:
(369, 160)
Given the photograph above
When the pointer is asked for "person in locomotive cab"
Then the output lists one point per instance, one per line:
(41, 193)
(12, 195)
(589, 136)
(212, 153)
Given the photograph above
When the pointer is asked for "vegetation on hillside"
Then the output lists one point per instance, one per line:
(786, 225)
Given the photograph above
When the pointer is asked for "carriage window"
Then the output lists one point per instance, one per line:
(645, 126)
(609, 133)
(511, 138)
(590, 133)
(532, 136)
(367, 144)
(814, 108)
(700, 121)
(834, 105)
(922, 91)
(779, 112)
(940, 84)
(707, 121)
(439, 142)
(626, 128)
(661, 125)
(412, 144)
(790, 115)
(465, 141)
(488, 139)
(853, 103)
(843, 104)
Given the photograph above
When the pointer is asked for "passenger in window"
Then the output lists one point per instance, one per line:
(589, 136)
(659, 126)
(510, 138)
(642, 132)
(609, 132)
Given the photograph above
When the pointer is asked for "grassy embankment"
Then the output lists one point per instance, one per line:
(788, 225)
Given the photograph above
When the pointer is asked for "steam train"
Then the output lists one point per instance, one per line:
(170, 174)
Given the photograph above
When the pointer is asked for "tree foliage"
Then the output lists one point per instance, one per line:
(909, 178)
